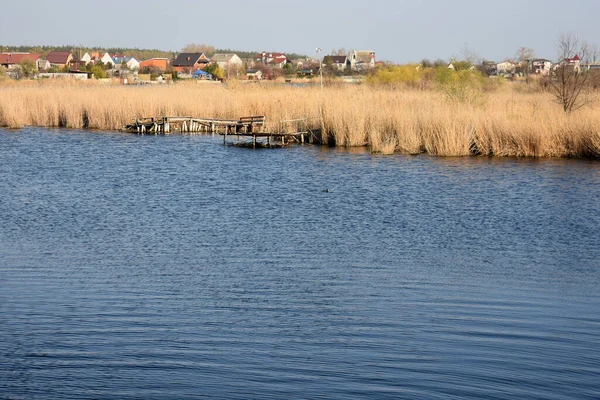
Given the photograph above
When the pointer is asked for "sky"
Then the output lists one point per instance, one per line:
(397, 30)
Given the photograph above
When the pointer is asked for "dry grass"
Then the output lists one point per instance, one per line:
(509, 123)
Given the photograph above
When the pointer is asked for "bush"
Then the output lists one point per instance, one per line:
(99, 72)
(462, 86)
(403, 74)
(28, 67)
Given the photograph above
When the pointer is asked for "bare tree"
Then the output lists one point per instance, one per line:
(524, 54)
(569, 81)
(199, 48)
(469, 55)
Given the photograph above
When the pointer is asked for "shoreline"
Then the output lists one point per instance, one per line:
(509, 122)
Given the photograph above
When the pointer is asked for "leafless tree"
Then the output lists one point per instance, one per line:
(570, 80)
(199, 48)
(469, 55)
(524, 54)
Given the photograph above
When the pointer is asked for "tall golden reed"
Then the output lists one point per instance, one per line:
(508, 123)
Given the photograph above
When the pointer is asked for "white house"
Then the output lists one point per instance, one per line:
(226, 60)
(540, 66)
(86, 58)
(340, 62)
(133, 64)
(254, 74)
(106, 59)
(573, 62)
(362, 59)
(43, 65)
(506, 67)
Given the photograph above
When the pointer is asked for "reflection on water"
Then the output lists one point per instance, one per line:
(173, 267)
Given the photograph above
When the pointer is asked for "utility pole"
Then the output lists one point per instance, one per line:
(320, 66)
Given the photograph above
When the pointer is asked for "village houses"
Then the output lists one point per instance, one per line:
(277, 60)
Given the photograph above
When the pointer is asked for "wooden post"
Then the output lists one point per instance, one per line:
(253, 141)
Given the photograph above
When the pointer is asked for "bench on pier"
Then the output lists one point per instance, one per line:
(248, 124)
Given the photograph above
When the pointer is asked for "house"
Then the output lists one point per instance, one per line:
(274, 59)
(12, 60)
(226, 60)
(43, 65)
(299, 63)
(75, 65)
(118, 59)
(506, 67)
(279, 62)
(132, 64)
(188, 62)
(307, 71)
(106, 59)
(489, 68)
(158, 64)
(362, 59)
(573, 62)
(540, 66)
(86, 58)
(59, 58)
(254, 74)
(340, 62)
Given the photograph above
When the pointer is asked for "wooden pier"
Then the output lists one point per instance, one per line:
(289, 131)
(167, 125)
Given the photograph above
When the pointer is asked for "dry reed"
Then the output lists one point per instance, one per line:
(509, 123)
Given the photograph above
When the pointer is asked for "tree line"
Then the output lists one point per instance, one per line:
(137, 53)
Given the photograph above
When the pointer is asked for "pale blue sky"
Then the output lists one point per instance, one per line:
(399, 31)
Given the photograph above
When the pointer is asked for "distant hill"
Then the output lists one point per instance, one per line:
(138, 54)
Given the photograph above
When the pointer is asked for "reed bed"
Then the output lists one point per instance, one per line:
(509, 122)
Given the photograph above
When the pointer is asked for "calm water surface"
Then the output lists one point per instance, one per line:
(174, 267)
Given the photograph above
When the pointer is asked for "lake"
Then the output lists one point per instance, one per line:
(169, 267)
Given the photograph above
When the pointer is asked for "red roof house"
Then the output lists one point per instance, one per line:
(60, 58)
(8, 60)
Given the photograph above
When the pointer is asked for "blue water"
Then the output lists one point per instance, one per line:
(175, 267)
